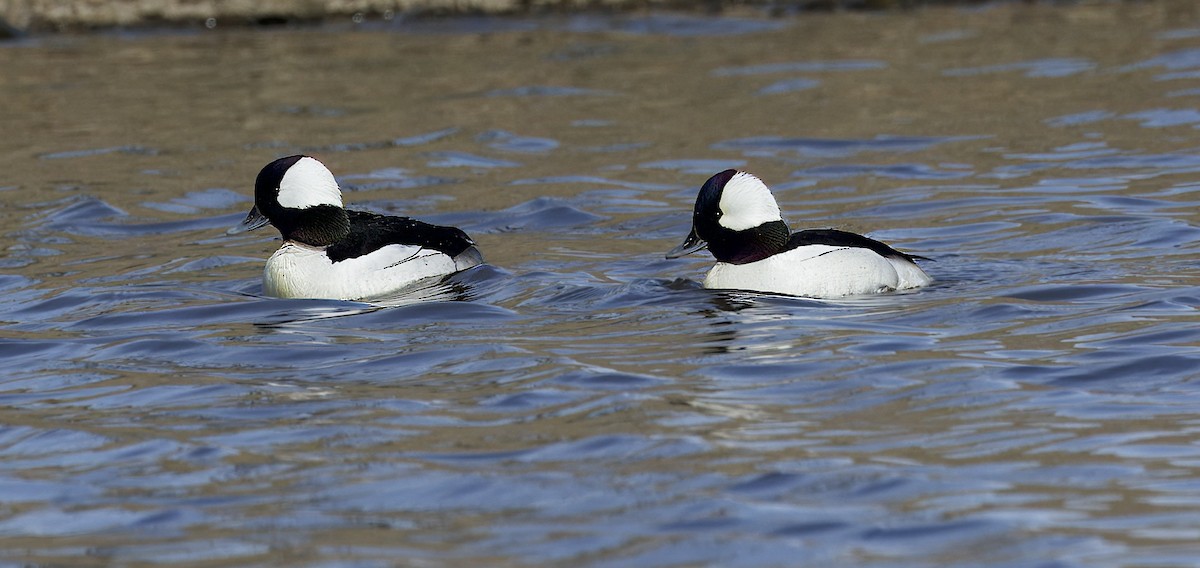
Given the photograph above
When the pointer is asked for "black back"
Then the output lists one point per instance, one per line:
(370, 232)
(834, 237)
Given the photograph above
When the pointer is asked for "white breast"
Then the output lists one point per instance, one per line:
(819, 271)
(299, 271)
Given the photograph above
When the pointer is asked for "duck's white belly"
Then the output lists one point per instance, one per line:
(819, 271)
(299, 271)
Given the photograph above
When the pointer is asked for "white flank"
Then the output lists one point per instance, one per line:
(911, 275)
(746, 202)
(819, 271)
(308, 183)
(300, 271)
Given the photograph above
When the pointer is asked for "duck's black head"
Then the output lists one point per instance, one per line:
(300, 197)
(737, 218)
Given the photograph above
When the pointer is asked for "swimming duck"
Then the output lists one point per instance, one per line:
(738, 219)
(335, 253)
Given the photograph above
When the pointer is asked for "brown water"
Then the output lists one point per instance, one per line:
(583, 401)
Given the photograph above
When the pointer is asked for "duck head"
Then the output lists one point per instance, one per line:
(300, 197)
(737, 218)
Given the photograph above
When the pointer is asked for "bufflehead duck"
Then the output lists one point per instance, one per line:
(737, 218)
(334, 253)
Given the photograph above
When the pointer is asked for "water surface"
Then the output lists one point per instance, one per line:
(581, 401)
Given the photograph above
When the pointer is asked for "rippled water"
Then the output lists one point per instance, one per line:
(580, 401)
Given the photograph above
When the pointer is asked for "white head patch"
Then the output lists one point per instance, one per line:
(308, 183)
(746, 202)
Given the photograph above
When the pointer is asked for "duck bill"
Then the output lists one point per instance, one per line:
(691, 244)
(253, 220)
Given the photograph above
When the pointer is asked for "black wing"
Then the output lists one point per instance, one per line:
(836, 238)
(370, 232)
